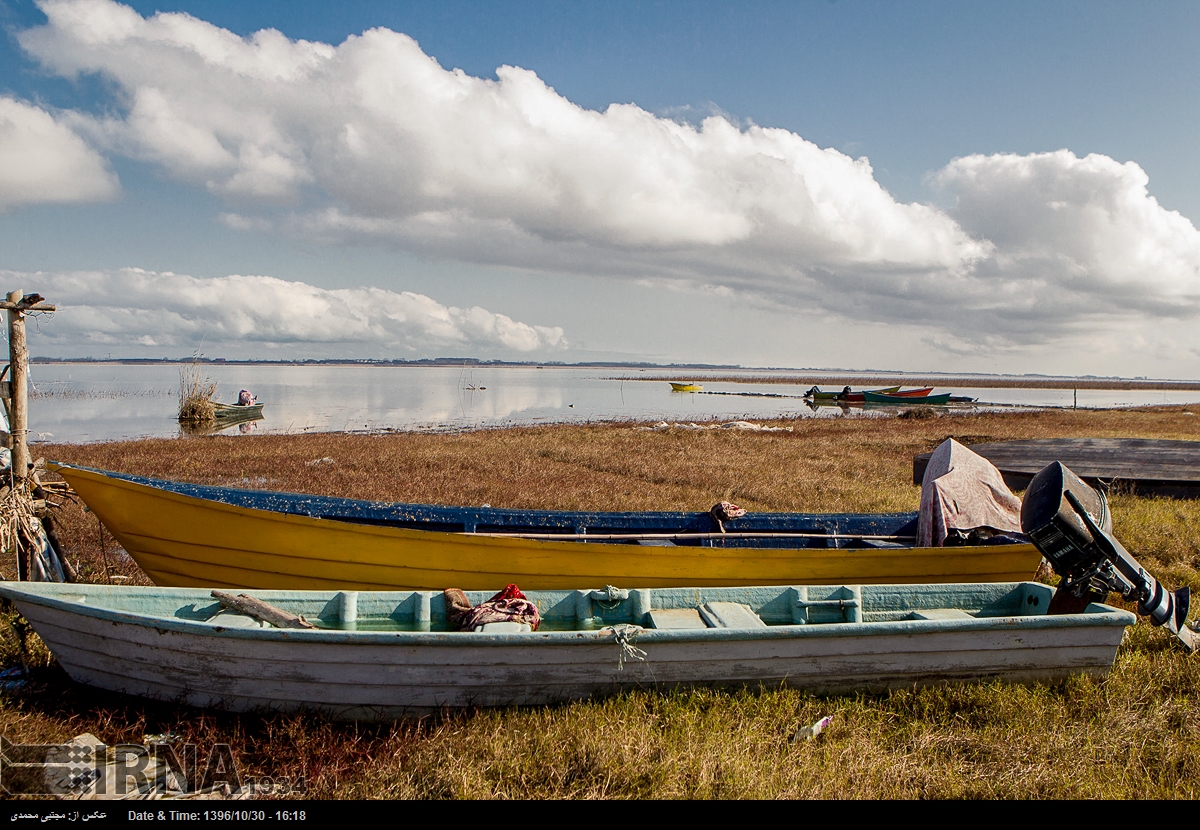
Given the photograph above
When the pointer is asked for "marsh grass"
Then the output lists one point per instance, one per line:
(196, 393)
(62, 391)
(1135, 734)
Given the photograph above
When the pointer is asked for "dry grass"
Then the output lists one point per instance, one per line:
(1134, 735)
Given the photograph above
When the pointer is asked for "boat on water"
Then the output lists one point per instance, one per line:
(224, 415)
(237, 412)
(184, 534)
(904, 400)
(687, 386)
(848, 396)
(389, 654)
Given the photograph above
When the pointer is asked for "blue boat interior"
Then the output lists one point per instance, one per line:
(828, 530)
(761, 608)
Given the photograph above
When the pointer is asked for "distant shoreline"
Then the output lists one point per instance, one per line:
(828, 379)
(832, 384)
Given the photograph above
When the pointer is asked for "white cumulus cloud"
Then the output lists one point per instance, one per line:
(265, 316)
(1076, 235)
(371, 139)
(505, 170)
(42, 160)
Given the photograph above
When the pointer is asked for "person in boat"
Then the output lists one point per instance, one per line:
(246, 399)
(845, 393)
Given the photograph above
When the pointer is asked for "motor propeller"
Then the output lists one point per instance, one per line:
(1070, 524)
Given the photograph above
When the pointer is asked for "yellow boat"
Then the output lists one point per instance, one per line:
(685, 387)
(191, 535)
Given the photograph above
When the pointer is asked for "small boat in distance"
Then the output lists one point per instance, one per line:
(902, 400)
(846, 395)
(197, 535)
(685, 386)
(237, 412)
(383, 655)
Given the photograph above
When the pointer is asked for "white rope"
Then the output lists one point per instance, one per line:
(623, 634)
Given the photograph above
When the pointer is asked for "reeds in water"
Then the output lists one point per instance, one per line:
(196, 392)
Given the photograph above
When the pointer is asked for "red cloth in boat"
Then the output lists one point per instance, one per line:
(963, 491)
(510, 605)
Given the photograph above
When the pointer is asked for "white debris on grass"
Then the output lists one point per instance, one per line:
(807, 733)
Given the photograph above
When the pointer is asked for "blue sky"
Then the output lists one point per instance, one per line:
(919, 186)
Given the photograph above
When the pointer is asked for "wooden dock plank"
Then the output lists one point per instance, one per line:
(1145, 466)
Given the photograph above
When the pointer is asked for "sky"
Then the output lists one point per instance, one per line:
(916, 186)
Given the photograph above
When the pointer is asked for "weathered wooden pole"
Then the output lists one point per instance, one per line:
(18, 360)
(17, 304)
(17, 388)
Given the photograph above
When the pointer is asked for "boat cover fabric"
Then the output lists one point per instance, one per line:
(962, 492)
(510, 605)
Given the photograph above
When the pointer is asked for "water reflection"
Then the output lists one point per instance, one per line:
(220, 426)
(91, 402)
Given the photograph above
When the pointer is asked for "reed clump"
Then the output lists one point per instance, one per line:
(196, 393)
(1135, 734)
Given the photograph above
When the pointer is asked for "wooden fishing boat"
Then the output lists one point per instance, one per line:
(233, 412)
(195, 535)
(686, 387)
(385, 655)
(853, 397)
(900, 400)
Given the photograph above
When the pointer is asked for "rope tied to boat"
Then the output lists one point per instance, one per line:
(623, 636)
(609, 597)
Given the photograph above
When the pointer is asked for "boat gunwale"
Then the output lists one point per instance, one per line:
(1095, 615)
(209, 494)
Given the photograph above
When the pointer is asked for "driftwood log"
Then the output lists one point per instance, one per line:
(252, 607)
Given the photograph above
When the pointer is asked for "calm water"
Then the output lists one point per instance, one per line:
(87, 402)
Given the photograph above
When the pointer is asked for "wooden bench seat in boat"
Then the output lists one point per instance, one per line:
(940, 614)
(708, 615)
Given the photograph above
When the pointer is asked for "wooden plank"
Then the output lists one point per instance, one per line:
(940, 614)
(676, 618)
(1146, 466)
(730, 615)
(253, 607)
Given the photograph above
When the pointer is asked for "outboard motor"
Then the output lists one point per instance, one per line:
(1069, 523)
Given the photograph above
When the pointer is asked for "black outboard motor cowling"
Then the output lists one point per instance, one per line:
(1070, 524)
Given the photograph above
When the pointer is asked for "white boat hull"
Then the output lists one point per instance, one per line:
(381, 675)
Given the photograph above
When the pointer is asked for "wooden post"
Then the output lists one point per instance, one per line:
(18, 303)
(19, 361)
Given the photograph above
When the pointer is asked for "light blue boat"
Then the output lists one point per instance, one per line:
(379, 655)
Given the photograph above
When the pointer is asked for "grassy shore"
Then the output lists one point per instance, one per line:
(1134, 735)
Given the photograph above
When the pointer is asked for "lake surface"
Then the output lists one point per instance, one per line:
(77, 403)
